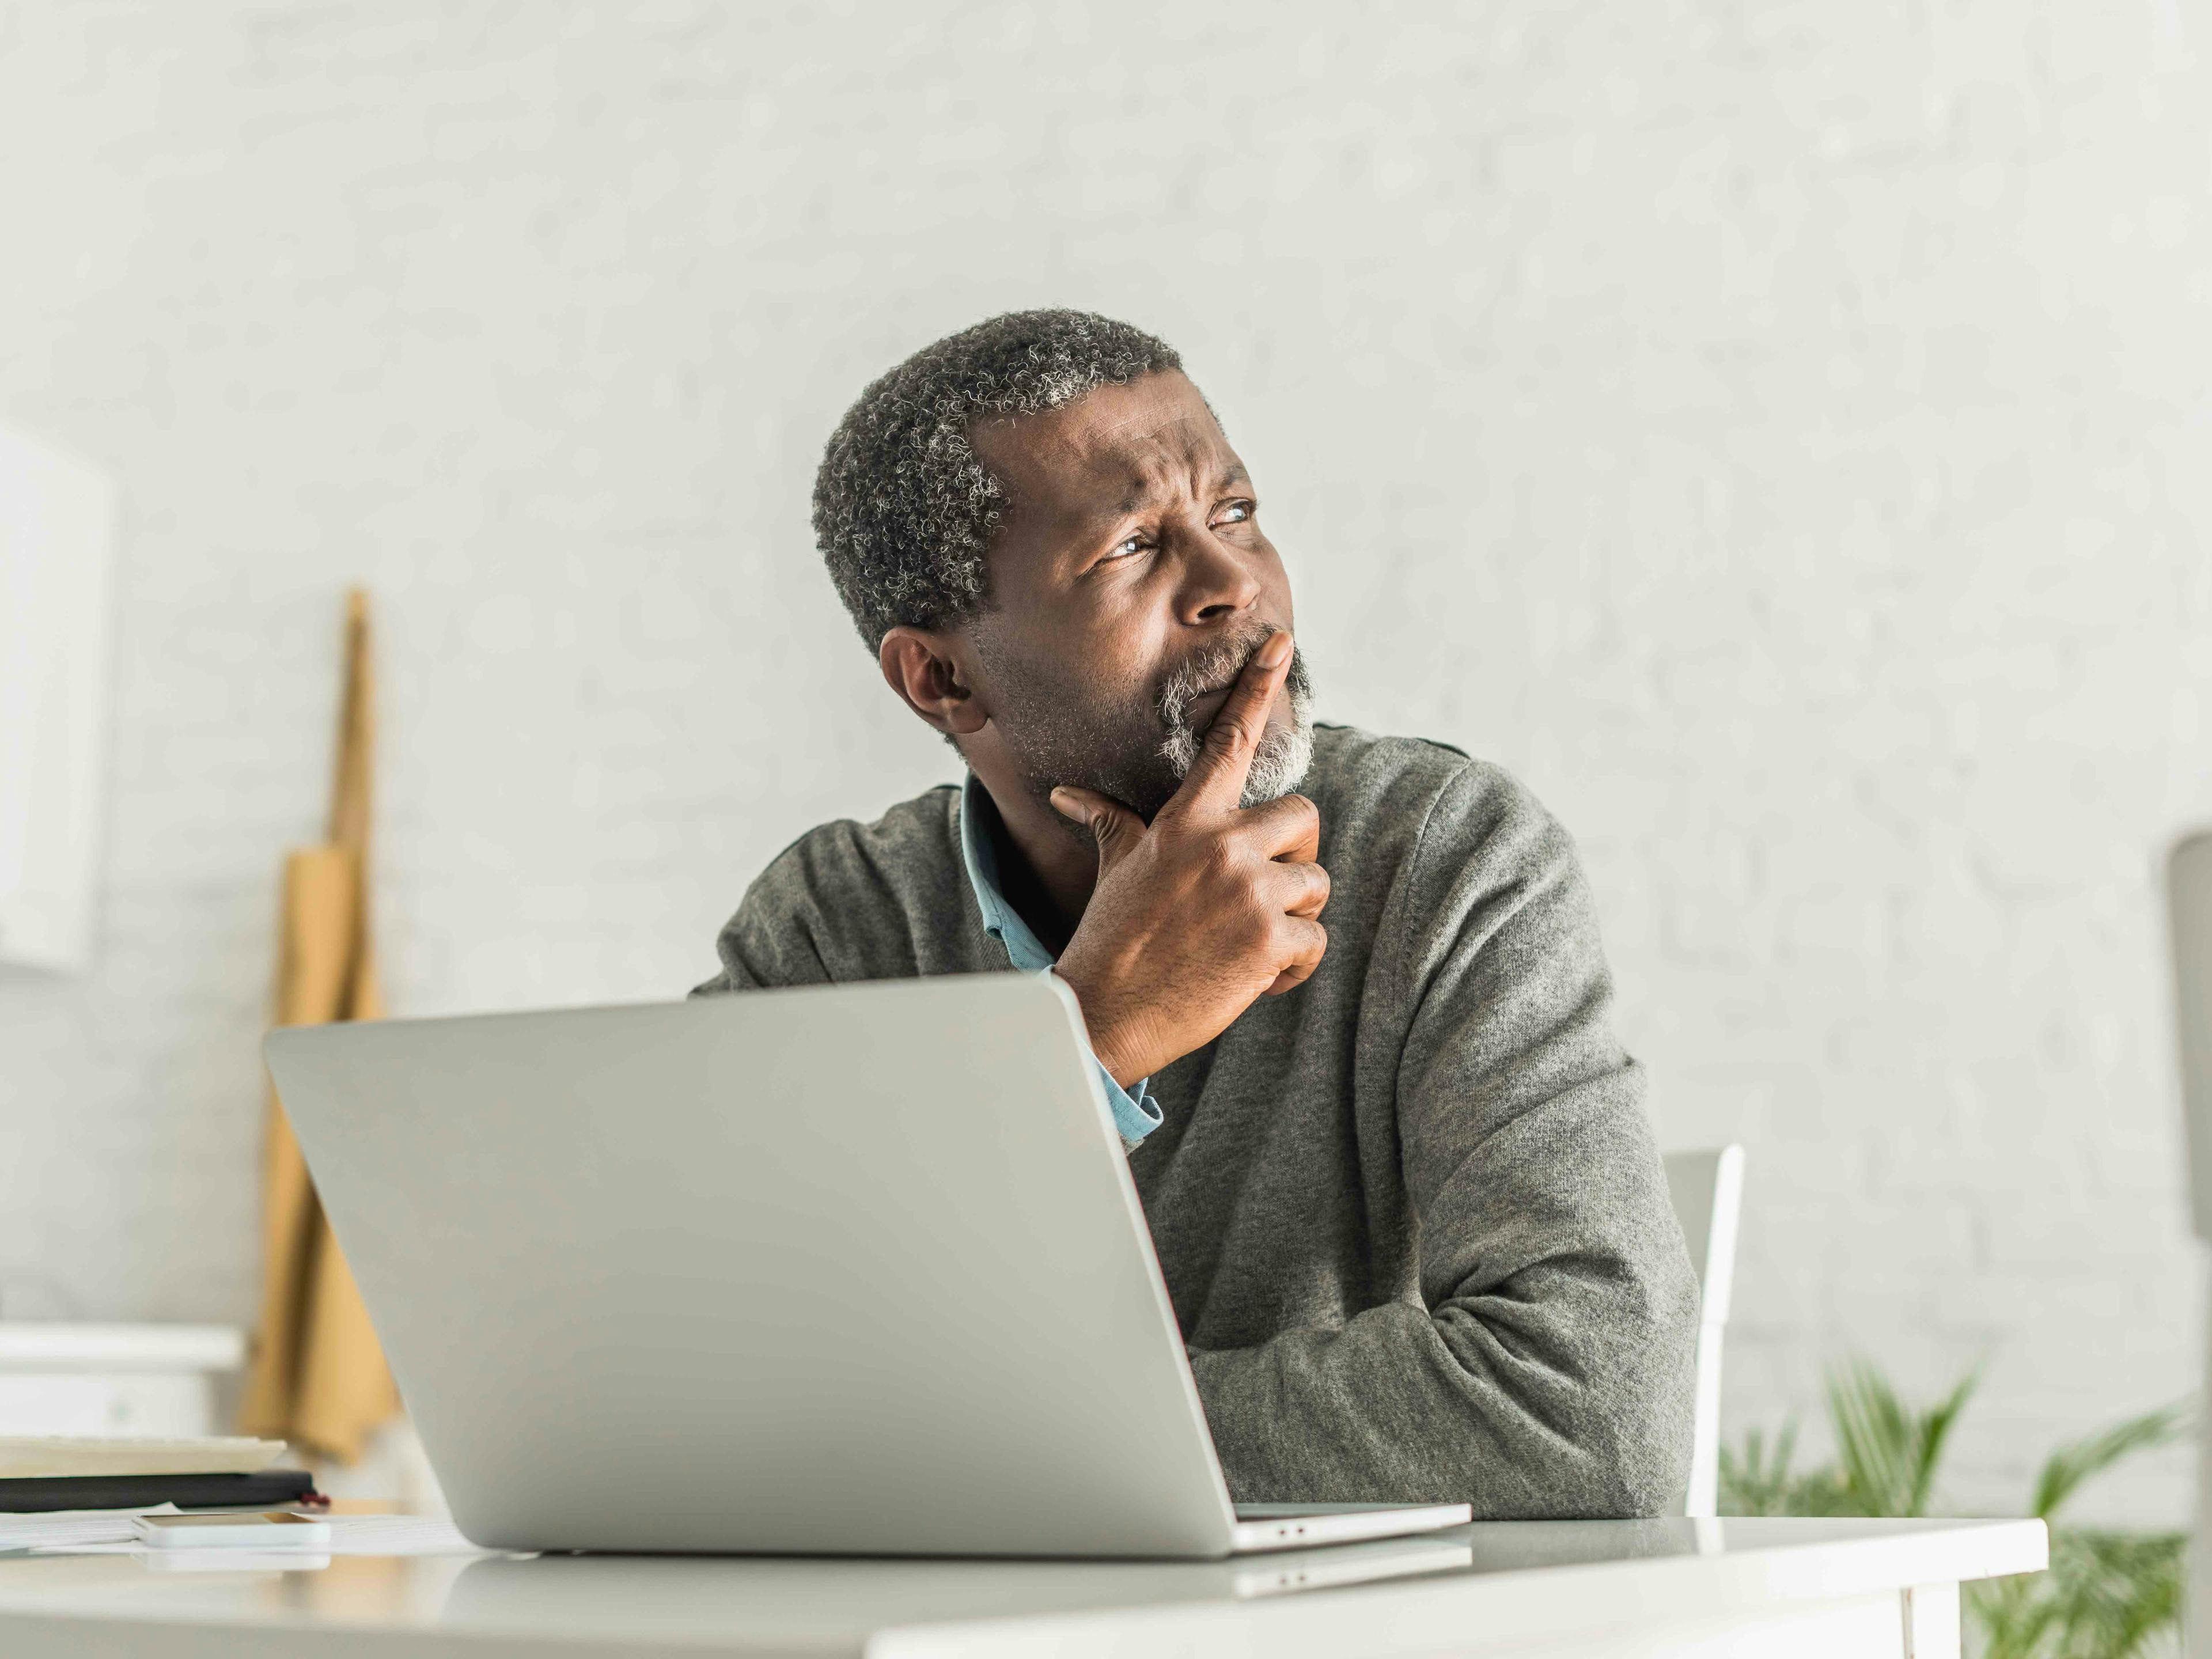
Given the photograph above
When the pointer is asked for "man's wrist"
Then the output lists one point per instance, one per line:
(1108, 1045)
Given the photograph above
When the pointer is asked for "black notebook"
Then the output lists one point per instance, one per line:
(266, 1489)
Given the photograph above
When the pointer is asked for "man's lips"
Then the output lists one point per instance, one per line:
(1199, 711)
(1207, 705)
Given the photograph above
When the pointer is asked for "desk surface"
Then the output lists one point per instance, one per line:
(1508, 1580)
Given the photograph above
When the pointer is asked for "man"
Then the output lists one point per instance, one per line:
(1396, 1168)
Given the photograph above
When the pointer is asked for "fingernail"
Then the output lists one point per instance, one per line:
(1066, 808)
(1276, 651)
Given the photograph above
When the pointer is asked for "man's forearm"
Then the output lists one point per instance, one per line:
(1401, 1406)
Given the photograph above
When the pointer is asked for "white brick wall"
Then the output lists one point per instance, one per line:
(1777, 431)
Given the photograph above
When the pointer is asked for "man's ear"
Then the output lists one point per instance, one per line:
(921, 667)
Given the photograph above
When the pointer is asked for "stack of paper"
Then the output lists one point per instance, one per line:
(27, 1532)
(350, 1534)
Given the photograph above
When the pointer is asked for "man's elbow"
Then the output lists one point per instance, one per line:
(1621, 1435)
(1609, 1469)
(1645, 1421)
(1653, 1479)
(1593, 1419)
(1624, 1456)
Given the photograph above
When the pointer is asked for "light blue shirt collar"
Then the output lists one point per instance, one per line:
(1136, 1115)
(1000, 919)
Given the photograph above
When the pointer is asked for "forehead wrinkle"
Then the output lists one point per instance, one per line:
(1105, 472)
(1157, 430)
(1153, 474)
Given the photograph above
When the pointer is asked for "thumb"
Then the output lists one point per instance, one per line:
(1115, 825)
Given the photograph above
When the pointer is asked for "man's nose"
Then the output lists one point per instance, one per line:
(1218, 582)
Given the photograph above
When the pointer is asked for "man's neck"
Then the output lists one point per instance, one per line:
(1045, 871)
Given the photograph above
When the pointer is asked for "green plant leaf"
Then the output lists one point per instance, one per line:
(1932, 1430)
(2077, 1461)
(2108, 1594)
(1874, 1437)
(1889, 1454)
(1757, 1481)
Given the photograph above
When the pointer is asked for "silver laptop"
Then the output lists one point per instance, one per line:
(843, 1270)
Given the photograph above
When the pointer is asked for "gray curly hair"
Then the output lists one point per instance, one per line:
(903, 510)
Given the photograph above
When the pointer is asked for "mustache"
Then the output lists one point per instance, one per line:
(1210, 668)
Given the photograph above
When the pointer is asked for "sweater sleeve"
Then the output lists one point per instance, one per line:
(1547, 1371)
(772, 940)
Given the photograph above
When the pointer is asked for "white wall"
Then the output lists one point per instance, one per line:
(1777, 431)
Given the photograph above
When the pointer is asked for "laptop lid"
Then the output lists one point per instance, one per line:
(853, 1269)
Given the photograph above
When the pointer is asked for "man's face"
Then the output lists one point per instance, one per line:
(1131, 582)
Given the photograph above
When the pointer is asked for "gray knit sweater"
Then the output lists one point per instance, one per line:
(1411, 1214)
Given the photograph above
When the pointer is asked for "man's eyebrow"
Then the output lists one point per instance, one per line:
(1141, 492)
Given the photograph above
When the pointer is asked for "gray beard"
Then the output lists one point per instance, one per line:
(1280, 762)
(1140, 756)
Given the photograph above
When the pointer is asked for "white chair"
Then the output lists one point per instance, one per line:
(2189, 900)
(1707, 1187)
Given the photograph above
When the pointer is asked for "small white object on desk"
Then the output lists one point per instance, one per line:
(232, 1532)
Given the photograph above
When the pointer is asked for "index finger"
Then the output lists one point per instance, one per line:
(1225, 760)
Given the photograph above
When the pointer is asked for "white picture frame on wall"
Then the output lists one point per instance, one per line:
(57, 541)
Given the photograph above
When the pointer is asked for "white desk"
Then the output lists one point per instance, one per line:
(1808, 1588)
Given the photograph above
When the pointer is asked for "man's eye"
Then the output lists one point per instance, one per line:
(1236, 513)
(1121, 549)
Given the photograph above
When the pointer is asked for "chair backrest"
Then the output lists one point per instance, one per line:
(1707, 1189)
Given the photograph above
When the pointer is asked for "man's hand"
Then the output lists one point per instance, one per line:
(1208, 908)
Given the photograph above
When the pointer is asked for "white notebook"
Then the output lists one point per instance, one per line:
(61, 1456)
